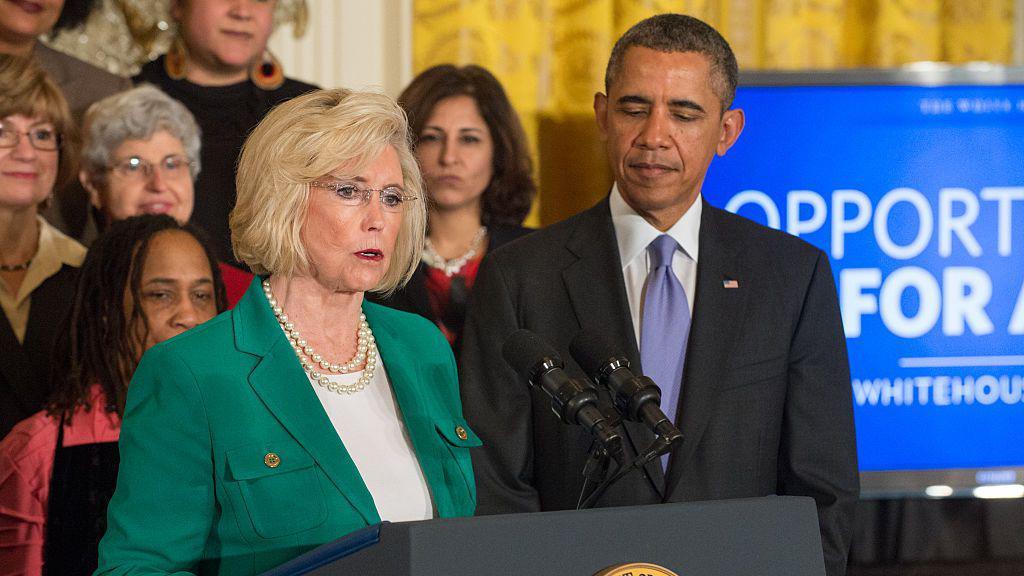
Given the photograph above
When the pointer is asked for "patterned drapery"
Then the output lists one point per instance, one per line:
(550, 55)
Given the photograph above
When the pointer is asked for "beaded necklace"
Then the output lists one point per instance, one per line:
(451, 267)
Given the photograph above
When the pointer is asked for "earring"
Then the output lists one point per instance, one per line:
(267, 73)
(176, 59)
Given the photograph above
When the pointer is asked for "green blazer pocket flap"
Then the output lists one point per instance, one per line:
(458, 433)
(266, 459)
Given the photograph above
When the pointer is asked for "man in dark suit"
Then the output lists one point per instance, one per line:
(738, 323)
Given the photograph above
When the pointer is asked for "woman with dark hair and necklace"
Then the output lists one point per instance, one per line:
(145, 280)
(219, 67)
(478, 175)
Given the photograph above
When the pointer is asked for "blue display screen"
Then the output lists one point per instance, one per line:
(917, 196)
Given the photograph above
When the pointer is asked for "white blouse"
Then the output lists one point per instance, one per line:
(375, 436)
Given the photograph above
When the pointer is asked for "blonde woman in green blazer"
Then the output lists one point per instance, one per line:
(306, 412)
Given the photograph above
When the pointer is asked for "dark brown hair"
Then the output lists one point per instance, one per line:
(508, 197)
(98, 343)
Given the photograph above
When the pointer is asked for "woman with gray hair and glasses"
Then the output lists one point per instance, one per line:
(140, 155)
(306, 412)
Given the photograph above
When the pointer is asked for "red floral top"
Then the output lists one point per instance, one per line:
(448, 304)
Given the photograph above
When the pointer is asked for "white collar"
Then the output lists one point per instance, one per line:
(633, 233)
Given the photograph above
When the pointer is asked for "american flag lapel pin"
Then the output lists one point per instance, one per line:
(730, 284)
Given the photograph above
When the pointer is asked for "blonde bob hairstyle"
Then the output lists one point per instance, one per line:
(301, 141)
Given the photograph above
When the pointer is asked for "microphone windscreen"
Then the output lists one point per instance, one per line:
(523, 350)
(592, 349)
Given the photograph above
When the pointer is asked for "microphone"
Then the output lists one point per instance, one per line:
(637, 398)
(571, 401)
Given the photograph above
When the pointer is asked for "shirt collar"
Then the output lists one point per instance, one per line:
(55, 250)
(56, 246)
(633, 233)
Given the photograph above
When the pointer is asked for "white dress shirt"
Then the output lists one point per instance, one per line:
(633, 234)
(376, 438)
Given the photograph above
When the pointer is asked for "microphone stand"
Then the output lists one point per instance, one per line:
(660, 446)
(636, 398)
(595, 470)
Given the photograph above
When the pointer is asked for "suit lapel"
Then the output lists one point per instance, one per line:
(597, 291)
(414, 404)
(594, 281)
(281, 384)
(717, 316)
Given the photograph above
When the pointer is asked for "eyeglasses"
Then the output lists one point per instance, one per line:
(392, 198)
(135, 168)
(43, 139)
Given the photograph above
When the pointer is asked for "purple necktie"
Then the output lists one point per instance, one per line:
(665, 327)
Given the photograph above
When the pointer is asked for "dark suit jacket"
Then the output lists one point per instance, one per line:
(24, 367)
(414, 297)
(766, 405)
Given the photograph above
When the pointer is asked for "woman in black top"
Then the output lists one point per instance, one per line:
(478, 176)
(219, 67)
(38, 263)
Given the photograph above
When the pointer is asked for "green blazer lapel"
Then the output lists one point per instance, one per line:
(418, 408)
(284, 388)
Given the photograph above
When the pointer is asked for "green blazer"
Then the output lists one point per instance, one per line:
(205, 408)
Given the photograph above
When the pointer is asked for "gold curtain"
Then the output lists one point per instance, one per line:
(550, 56)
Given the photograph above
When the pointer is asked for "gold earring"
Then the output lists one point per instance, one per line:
(176, 59)
(267, 73)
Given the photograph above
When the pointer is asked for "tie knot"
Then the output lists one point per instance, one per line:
(661, 250)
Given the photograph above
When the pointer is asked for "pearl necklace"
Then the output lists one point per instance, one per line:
(312, 362)
(451, 267)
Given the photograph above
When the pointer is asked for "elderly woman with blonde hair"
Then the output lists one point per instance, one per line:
(306, 412)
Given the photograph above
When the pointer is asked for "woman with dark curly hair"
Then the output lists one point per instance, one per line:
(478, 175)
(146, 279)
